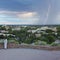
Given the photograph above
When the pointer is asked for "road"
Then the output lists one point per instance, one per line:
(28, 54)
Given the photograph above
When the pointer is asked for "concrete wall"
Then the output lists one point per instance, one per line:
(1, 46)
(13, 45)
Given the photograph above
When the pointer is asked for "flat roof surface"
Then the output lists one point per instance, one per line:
(28, 54)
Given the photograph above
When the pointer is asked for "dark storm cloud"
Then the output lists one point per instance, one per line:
(47, 11)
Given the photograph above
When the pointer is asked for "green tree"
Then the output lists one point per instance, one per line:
(10, 30)
(49, 31)
(48, 38)
(2, 28)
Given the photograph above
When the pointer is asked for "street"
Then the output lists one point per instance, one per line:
(28, 54)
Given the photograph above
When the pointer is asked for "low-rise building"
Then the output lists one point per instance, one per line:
(37, 35)
(57, 41)
(3, 31)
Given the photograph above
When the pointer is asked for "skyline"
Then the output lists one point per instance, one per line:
(34, 12)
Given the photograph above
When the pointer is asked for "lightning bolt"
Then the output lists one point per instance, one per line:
(47, 14)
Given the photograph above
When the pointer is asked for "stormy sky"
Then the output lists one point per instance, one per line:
(40, 12)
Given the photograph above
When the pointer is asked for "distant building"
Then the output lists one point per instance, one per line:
(3, 31)
(32, 31)
(37, 35)
(57, 41)
(16, 28)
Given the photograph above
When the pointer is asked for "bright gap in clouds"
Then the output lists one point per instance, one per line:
(12, 17)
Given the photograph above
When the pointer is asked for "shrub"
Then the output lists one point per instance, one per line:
(11, 41)
(55, 44)
(1, 41)
(40, 43)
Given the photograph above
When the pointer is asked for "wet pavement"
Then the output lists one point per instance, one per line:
(28, 54)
